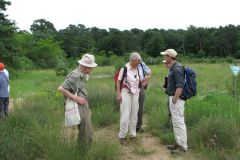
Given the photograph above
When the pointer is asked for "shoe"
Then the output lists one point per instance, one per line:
(179, 150)
(140, 130)
(123, 141)
(137, 129)
(172, 147)
(133, 138)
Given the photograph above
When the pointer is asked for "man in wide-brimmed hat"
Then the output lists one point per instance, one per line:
(75, 82)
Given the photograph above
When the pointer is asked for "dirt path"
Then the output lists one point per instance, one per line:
(146, 147)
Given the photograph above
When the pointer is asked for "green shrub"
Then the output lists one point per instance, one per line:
(237, 55)
(119, 64)
(102, 60)
(61, 68)
(213, 60)
(215, 133)
(46, 54)
(150, 60)
(23, 63)
(229, 59)
(201, 53)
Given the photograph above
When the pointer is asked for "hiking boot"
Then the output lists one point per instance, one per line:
(172, 147)
(179, 150)
(123, 141)
(133, 138)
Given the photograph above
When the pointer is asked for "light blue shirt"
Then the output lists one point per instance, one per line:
(7, 74)
(144, 68)
(4, 85)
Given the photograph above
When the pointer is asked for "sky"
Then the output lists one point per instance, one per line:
(126, 14)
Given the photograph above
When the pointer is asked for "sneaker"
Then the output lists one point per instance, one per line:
(179, 150)
(172, 147)
(123, 141)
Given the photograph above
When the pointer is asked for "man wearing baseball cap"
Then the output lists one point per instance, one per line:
(75, 82)
(175, 84)
(4, 93)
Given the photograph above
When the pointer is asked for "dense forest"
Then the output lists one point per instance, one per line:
(46, 47)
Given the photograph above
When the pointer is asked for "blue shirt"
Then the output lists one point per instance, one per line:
(4, 85)
(144, 68)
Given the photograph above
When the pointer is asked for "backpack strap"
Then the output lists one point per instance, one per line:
(184, 72)
(139, 84)
(143, 76)
(124, 73)
(142, 69)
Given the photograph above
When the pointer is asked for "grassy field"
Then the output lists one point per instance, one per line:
(34, 129)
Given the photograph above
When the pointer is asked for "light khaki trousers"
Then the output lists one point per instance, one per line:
(128, 113)
(178, 121)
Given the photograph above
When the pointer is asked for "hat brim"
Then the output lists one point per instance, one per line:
(87, 65)
(163, 53)
(167, 54)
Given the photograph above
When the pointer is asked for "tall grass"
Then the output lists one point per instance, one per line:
(212, 117)
(34, 130)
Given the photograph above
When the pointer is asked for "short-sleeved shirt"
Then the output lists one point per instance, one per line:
(7, 74)
(176, 79)
(74, 80)
(131, 80)
(143, 68)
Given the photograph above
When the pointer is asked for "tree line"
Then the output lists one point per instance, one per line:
(46, 47)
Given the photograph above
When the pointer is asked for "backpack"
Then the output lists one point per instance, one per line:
(116, 74)
(190, 86)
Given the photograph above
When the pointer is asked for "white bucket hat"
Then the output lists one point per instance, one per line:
(169, 52)
(88, 60)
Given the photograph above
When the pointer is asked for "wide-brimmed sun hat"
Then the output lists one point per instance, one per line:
(88, 60)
